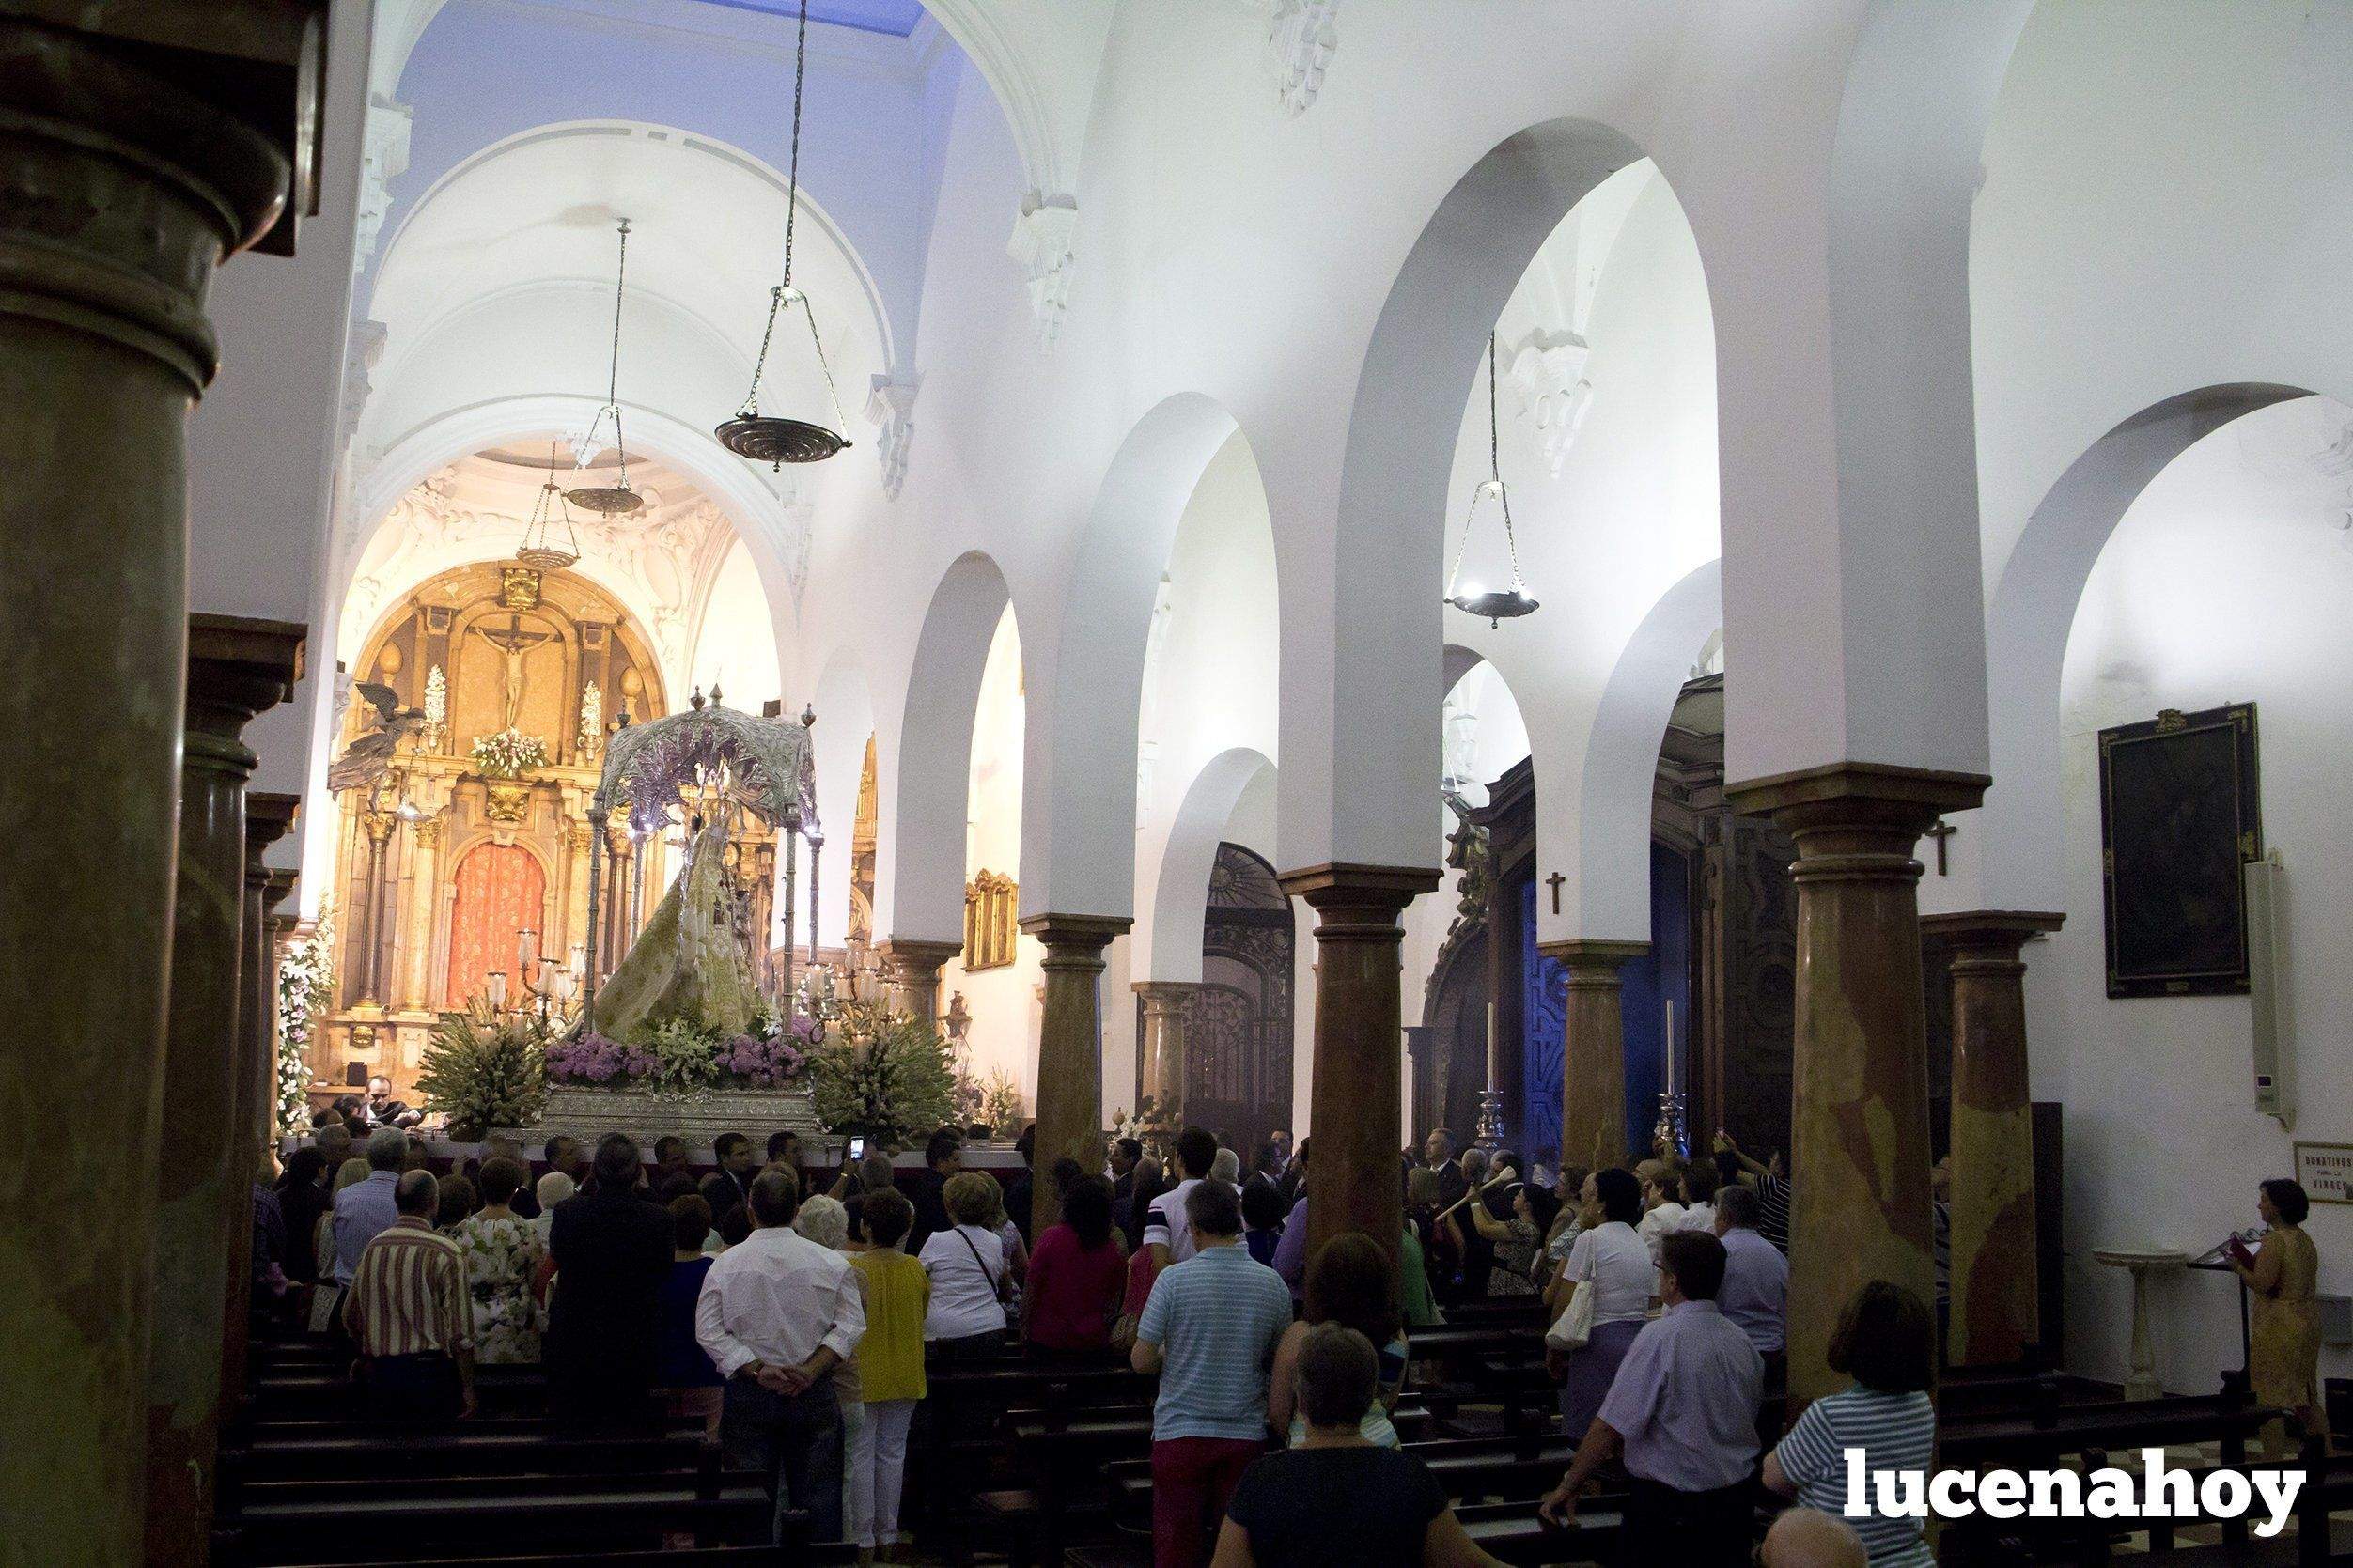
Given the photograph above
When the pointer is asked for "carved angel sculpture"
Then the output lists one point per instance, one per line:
(366, 759)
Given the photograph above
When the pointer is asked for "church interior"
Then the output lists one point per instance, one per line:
(1606, 579)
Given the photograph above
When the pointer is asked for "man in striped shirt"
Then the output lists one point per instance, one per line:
(1208, 1332)
(408, 1312)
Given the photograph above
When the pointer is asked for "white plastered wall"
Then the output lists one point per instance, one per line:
(2225, 583)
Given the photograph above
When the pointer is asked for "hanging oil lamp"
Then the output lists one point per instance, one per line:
(1495, 605)
(770, 438)
(611, 500)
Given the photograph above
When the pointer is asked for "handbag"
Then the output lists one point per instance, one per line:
(1573, 1328)
(995, 1285)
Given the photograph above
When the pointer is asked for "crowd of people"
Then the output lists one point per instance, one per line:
(801, 1325)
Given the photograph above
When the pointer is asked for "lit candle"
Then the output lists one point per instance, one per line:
(498, 987)
(526, 947)
(580, 958)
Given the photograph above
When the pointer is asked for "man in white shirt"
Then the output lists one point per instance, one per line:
(776, 1315)
(1166, 1231)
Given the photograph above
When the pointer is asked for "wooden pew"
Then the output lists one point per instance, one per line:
(294, 1521)
(1061, 1458)
(356, 1453)
(958, 1449)
(326, 1389)
(2024, 1441)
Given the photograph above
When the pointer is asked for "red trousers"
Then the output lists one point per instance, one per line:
(1192, 1479)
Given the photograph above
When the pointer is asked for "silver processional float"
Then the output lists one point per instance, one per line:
(695, 768)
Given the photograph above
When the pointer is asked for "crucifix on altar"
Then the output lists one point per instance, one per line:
(513, 643)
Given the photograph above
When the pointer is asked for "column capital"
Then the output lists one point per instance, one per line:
(1164, 993)
(1591, 960)
(268, 817)
(1373, 890)
(277, 886)
(237, 667)
(910, 952)
(1998, 932)
(1081, 934)
(261, 66)
(1858, 794)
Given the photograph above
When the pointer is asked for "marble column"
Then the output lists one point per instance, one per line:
(1357, 1100)
(235, 669)
(415, 941)
(1069, 1049)
(128, 172)
(914, 967)
(1163, 1078)
(1860, 1205)
(1593, 1050)
(268, 817)
(1995, 1306)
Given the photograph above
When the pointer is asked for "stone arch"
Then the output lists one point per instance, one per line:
(757, 511)
(2010, 859)
(1381, 623)
(919, 872)
(1607, 897)
(1077, 828)
(1183, 877)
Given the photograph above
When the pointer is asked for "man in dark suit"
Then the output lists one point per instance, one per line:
(1438, 1153)
(1125, 1156)
(612, 1251)
(734, 1152)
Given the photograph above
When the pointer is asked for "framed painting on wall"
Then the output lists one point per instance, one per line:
(2179, 817)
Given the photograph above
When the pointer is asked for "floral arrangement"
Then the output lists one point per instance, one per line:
(509, 754)
(1000, 1103)
(1148, 1124)
(681, 1059)
(305, 987)
(591, 720)
(483, 1071)
(882, 1076)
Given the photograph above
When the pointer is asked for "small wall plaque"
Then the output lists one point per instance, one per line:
(2326, 1172)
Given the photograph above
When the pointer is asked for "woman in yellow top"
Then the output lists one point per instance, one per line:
(889, 1368)
(2283, 1357)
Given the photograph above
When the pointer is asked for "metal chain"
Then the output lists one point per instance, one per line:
(1503, 496)
(1495, 465)
(613, 383)
(1494, 457)
(751, 404)
(792, 170)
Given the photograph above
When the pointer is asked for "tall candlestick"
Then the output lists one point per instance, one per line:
(1667, 1047)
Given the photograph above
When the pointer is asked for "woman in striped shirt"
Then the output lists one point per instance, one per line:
(1886, 1341)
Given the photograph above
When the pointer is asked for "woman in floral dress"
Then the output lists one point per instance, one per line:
(502, 1254)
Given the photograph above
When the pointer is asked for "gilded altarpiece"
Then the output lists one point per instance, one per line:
(444, 861)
